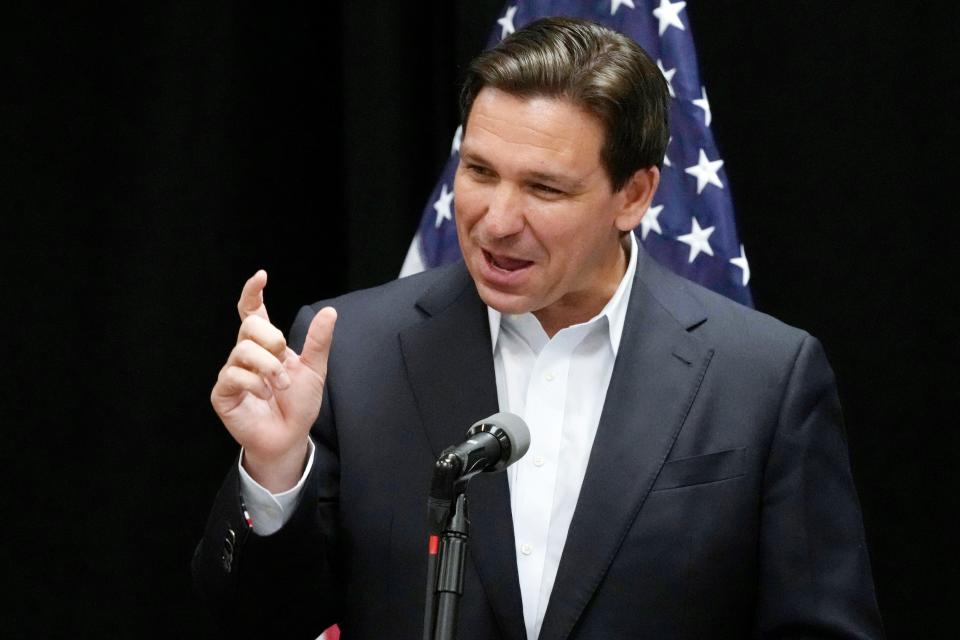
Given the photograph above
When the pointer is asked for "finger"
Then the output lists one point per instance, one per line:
(233, 381)
(316, 347)
(252, 357)
(258, 330)
(251, 298)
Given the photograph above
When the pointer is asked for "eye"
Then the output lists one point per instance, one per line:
(479, 170)
(546, 190)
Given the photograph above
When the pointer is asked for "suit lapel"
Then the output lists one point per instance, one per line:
(655, 379)
(449, 362)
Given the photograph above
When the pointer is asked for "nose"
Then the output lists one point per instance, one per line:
(504, 216)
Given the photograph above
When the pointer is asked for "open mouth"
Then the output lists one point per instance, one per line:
(505, 263)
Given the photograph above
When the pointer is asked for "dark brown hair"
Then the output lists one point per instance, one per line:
(599, 70)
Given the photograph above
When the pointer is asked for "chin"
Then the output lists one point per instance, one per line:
(509, 303)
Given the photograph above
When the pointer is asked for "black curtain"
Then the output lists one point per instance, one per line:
(155, 155)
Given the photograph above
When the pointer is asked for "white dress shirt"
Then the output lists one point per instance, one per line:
(557, 385)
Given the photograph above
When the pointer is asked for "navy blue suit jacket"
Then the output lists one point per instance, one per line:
(718, 501)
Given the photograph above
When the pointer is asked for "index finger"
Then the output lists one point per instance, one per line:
(251, 298)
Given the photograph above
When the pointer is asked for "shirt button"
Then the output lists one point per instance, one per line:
(526, 549)
(538, 461)
(549, 377)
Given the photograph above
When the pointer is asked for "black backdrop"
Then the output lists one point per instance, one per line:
(155, 156)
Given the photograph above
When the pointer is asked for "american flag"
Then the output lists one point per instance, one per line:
(690, 224)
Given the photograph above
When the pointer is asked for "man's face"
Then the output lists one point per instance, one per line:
(538, 223)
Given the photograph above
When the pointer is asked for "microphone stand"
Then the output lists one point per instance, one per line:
(492, 444)
(453, 554)
(447, 549)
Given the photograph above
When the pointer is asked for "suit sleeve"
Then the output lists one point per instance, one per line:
(815, 578)
(284, 584)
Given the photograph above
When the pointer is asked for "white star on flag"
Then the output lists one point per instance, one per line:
(666, 158)
(706, 172)
(668, 76)
(442, 206)
(506, 22)
(668, 15)
(457, 139)
(741, 262)
(697, 239)
(615, 4)
(704, 104)
(649, 221)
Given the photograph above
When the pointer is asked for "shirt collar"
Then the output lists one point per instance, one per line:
(615, 311)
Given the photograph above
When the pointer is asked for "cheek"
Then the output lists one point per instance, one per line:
(582, 225)
(466, 205)
(552, 229)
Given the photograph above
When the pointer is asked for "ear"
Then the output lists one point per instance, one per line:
(637, 195)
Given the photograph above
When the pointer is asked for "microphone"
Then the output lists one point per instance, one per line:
(492, 444)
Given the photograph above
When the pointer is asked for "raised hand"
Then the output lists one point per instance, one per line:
(266, 395)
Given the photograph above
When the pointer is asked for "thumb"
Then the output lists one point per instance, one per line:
(316, 347)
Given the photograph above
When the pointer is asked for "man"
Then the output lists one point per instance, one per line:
(687, 475)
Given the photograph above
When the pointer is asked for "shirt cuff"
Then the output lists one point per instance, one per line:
(270, 511)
